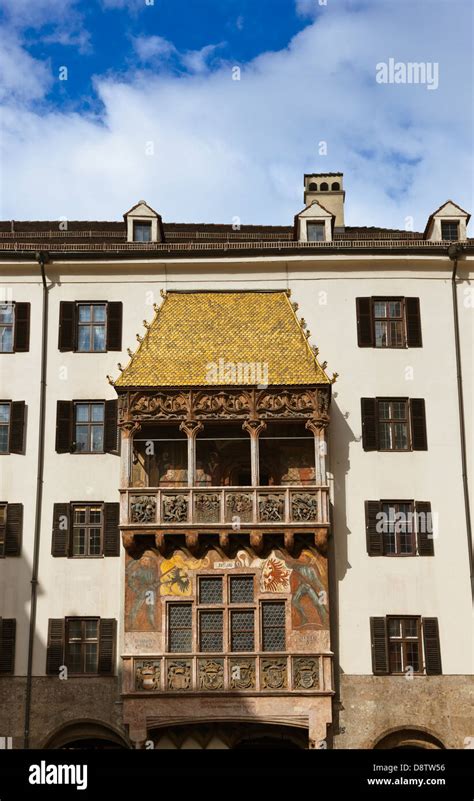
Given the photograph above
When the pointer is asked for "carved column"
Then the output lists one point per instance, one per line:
(320, 449)
(254, 427)
(127, 432)
(191, 428)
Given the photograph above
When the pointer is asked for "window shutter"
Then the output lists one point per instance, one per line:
(61, 529)
(110, 427)
(378, 634)
(64, 417)
(412, 308)
(107, 645)
(22, 327)
(17, 427)
(369, 424)
(365, 333)
(114, 326)
(424, 534)
(55, 649)
(431, 645)
(111, 529)
(67, 325)
(374, 537)
(418, 424)
(14, 529)
(7, 645)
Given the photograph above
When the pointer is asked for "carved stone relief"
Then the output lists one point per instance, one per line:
(211, 674)
(303, 507)
(147, 675)
(179, 674)
(271, 507)
(175, 508)
(142, 509)
(274, 674)
(305, 673)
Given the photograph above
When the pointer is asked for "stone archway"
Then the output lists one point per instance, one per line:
(234, 736)
(86, 735)
(408, 738)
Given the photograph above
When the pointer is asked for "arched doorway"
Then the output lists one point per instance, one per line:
(234, 736)
(408, 738)
(86, 735)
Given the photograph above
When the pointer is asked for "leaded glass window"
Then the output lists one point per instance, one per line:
(242, 627)
(210, 590)
(241, 589)
(180, 622)
(273, 626)
(211, 626)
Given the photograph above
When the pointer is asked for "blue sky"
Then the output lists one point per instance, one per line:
(150, 107)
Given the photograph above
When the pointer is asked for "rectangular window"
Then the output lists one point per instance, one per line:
(210, 590)
(450, 230)
(82, 645)
(180, 628)
(398, 529)
(89, 427)
(242, 630)
(5, 414)
(142, 231)
(393, 425)
(91, 327)
(87, 529)
(7, 323)
(211, 630)
(315, 231)
(241, 589)
(389, 323)
(404, 644)
(273, 626)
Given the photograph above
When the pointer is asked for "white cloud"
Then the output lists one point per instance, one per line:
(155, 50)
(21, 76)
(152, 48)
(225, 148)
(198, 60)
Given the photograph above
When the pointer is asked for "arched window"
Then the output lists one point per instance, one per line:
(313, 187)
(324, 187)
(335, 186)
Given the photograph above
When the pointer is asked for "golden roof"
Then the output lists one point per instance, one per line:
(219, 338)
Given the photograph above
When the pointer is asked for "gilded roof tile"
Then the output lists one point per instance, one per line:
(219, 338)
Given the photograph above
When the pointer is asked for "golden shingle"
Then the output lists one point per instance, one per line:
(196, 337)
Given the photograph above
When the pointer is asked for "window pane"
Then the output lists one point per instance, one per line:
(394, 627)
(74, 629)
(74, 657)
(400, 432)
(413, 656)
(142, 232)
(381, 339)
(211, 629)
(99, 338)
(91, 657)
(95, 513)
(241, 589)
(94, 542)
(84, 313)
(410, 628)
(3, 439)
(90, 629)
(97, 438)
(6, 339)
(315, 232)
(79, 542)
(84, 338)
(82, 412)
(242, 636)
(180, 621)
(395, 654)
(380, 308)
(384, 410)
(82, 438)
(399, 410)
(384, 436)
(396, 334)
(97, 412)
(273, 624)
(4, 412)
(6, 313)
(395, 308)
(210, 590)
(79, 514)
(99, 313)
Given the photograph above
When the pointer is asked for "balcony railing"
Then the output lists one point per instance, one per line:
(263, 672)
(225, 506)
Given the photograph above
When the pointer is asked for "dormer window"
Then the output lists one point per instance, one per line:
(141, 231)
(315, 231)
(450, 230)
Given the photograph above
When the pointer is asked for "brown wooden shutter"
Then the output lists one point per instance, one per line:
(22, 327)
(378, 634)
(110, 427)
(64, 421)
(61, 529)
(369, 424)
(17, 427)
(114, 326)
(55, 648)
(107, 629)
(365, 329)
(111, 529)
(14, 529)
(418, 424)
(412, 310)
(7, 645)
(431, 646)
(374, 537)
(67, 325)
(424, 533)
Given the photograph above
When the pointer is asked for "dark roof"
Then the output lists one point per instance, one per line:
(321, 174)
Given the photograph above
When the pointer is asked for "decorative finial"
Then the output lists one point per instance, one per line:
(156, 307)
(295, 306)
(130, 352)
(139, 338)
(288, 292)
(307, 334)
(324, 365)
(163, 293)
(303, 323)
(147, 325)
(110, 380)
(120, 367)
(315, 349)
(334, 378)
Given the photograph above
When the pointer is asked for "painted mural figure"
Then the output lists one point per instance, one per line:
(309, 586)
(143, 581)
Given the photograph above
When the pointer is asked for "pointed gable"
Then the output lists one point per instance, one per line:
(448, 212)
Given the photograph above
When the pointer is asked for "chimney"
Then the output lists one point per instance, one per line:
(326, 188)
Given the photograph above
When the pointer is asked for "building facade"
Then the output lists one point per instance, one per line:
(249, 523)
